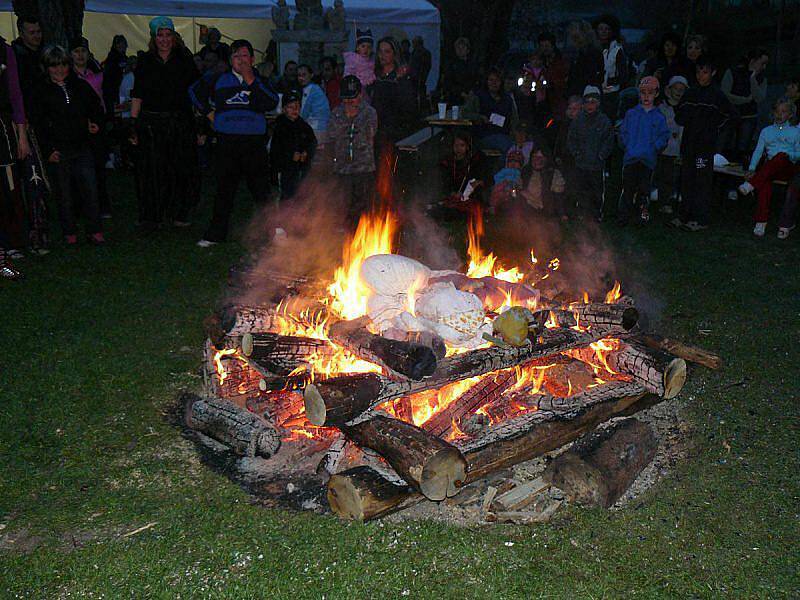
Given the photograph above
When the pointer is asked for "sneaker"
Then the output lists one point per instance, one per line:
(733, 194)
(14, 253)
(98, 239)
(676, 222)
(40, 251)
(666, 209)
(760, 229)
(783, 232)
(71, 240)
(694, 226)
(182, 223)
(204, 243)
(10, 273)
(746, 188)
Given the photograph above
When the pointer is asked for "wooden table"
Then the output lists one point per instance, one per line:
(448, 121)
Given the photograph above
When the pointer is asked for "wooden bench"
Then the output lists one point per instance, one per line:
(736, 170)
(413, 142)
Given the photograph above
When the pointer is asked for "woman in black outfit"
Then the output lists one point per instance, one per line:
(113, 72)
(167, 172)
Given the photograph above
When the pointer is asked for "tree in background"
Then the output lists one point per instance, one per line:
(61, 20)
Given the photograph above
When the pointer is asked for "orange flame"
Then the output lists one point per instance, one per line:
(222, 373)
(614, 294)
(481, 265)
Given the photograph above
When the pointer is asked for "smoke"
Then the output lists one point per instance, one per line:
(428, 242)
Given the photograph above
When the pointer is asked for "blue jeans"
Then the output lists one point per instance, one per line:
(76, 168)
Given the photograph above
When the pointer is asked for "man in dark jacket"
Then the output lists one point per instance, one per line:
(703, 112)
(28, 49)
(235, 102)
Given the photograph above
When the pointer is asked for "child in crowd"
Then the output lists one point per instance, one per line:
(543, 184)
(314, 108)
(666, 176)
(351, 148)
(562, 158)
(643, 135)
(293, 145)
(780, 142)
(590, 141)
(463, 175)
(66, 113)
(521, 142)
(360, 63)
(507, 181)
(702, 113)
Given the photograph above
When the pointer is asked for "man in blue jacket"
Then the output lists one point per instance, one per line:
(235, 103)
(643, 135)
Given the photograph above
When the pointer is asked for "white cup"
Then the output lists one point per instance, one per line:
(442, 110)
(455, 111)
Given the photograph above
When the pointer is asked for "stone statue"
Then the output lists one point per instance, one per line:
(309, 14)
(335, 17)
(280, 15)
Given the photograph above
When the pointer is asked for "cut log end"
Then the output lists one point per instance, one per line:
(316, 412)
(360, 493)
(630, 317)
(674, 378)
(443, 474)
(247, 344)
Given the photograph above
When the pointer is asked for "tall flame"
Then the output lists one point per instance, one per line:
(374, 235)
(481, 265)
(614, 294)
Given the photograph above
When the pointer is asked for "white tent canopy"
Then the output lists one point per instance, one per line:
(243, 18)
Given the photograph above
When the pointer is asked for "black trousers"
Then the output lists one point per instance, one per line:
(636, 179)
(75, 171)
(588, 191)
(667, 179)
(697, 174)
(167, 171)
(359, 193)
(237, 157)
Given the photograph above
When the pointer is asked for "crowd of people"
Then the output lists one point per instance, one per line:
(543, 140)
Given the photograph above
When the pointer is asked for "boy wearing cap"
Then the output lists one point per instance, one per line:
(235, 103)
(666, 176)
(293, 146)
(351, 146)
(703, 112)
(643, 134)
(590, 141)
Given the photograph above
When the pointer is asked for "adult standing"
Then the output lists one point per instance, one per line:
(745, 87)
(329, 80)
(420, 67)
(460, 76)
(217, 46)
(615, 63)
(314, 108)
(235, 102)
(696, 47)
(556, 74)
(167, 172)
(392, 96)
(586, 67)
(12, 148)
(668, 62)
(27, 50)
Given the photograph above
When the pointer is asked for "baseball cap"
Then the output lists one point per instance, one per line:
(349, 88)
(80, 42)
(678, 79)
(649, 82)
(290, 96)
(157, 23)
(591, 91)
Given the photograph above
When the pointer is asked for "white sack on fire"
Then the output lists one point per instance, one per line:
(405, 297)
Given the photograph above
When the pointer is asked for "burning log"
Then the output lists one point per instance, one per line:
(408, 359)
(282, 354)
(659, 372)
(360, 493)
(238, 379)
(339, 400)
(236, 320)
(599, 468)
(330, 461)
(597, 315)
(489, 388)
(430, 465)
(681, 350)
(551, 430)
(245, 433)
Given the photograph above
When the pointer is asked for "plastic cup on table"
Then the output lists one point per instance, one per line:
(455, 111)
(442, 110)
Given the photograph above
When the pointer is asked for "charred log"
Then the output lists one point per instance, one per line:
(282, 354)
(430, 465)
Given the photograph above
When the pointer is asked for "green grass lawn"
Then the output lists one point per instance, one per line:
(97, 343)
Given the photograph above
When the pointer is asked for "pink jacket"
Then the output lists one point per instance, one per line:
(363, 68)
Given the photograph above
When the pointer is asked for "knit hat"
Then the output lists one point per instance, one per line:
(80, 42)
(678, 79)
(591, 92)
(364, 35)
(349, 88)
(290, 96)
(650, 83)
(157, 23)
